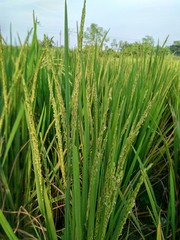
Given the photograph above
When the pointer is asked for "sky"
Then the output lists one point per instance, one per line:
(128, 20)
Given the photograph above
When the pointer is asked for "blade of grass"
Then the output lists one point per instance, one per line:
(13, 132)
(159, 230)
(51, 231)
(67, 105)
(76, 200)
(6, 226)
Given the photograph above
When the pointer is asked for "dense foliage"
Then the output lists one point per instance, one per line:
(175, 48)
(89, 143)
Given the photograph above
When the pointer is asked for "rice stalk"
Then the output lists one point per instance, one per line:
(80, 35)
(58, 131)
(19, 66)
(61, 106)
(35, 78)
(35, 148)
(67, 234)
(129, 205)
(78, 74)
(94, 178)
(133, 134)
(4, 80)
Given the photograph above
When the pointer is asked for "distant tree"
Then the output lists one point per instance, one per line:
(137, 48)
(148, 44)
(95, 35)
(134, 49)
(115, 45)
(175, 48)
(148, 41)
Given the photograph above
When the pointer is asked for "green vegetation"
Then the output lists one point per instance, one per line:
(95, 35)
(89, 143)
(175, 48)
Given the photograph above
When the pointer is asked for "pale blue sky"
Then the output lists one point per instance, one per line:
(128, 20)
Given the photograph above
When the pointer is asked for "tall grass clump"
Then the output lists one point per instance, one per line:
(89, 144)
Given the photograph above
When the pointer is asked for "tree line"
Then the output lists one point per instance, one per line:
(98, 36)
(95, 35)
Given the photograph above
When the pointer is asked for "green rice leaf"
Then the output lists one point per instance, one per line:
(6, 227)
